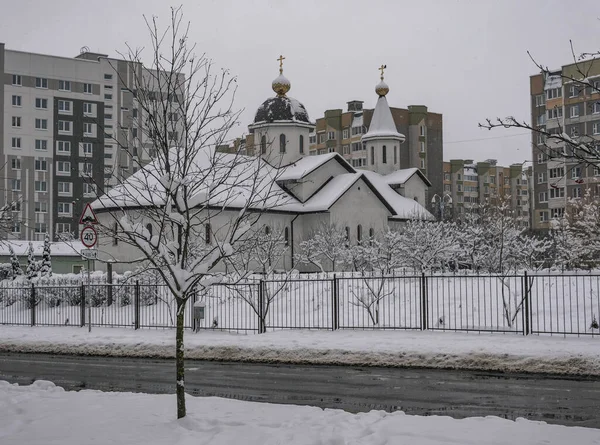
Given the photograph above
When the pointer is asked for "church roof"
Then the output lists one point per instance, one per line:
(401, 176)
(279, 109)
(306, 165)
(382, 123)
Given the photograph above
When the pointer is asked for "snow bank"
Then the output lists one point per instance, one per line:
(493, 352)
(44, 414)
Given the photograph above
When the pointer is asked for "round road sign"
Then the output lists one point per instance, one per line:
(89, 237)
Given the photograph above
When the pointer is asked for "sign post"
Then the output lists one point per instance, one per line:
(89, 238)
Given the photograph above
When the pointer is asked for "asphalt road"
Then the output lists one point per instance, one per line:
(554, 399)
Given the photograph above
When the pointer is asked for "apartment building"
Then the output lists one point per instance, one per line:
(469, 184)
(341, 132)
(62, 125)
(561, 105)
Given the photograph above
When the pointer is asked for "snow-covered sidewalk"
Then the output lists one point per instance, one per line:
(497, 352)
(45, 414)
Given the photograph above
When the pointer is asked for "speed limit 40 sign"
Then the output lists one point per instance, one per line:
(89, 237)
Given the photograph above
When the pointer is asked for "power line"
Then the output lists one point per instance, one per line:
(487, 139)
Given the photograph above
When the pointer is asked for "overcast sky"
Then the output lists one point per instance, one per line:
(465, 59)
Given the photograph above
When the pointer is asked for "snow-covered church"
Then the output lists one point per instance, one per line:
(316, 190)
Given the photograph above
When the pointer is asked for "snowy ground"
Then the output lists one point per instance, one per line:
(45, 414)
(497, 352)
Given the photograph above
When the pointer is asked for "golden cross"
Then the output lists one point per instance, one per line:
(381, 68)
(281, 59)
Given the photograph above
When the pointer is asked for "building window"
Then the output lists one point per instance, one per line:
(88, 129)
(577, 192)
(574, 90)
(331, 135)
(15, 163)
(16, 185)
(87, 148)
(554, 93)
(540, 100)
(64, 127)
(63, 168)
(41, 124)
(207, 234)
(301, 143)
(41, 165)
(596, 128)
(574, 111)
(41, 144)
(384, 154)
(372, 155)
(64, 106)
(395, 154)
(557, 213)
(41, 228)
(558, 192)
(422, 147)
(64, 208)
(16, 80)
(87, 168)
(541, 120)
(16, 142)
(108, 76)
(41, 186)
(41, 82)
(346, 149)
(41, 207)
(263, 144)
(89, 189)
(16, 121)
(543, 196)
(64, 188)
(87, 108)
(286, 236)
(41, 103)
(107, 96)
(542, 177)
(87, 88)
(16, 101)
(345, 133)
(557, 172)
(596, 107)
(16, 227)
(359, 233)
(576, 173)
(282, 142)
(64, 85)
(422, 163)
(63, 147)
(63, 228)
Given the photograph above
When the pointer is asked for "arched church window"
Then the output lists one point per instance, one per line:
(149, 229)
(301, 143)
(395, 154)
(347, 234)
(371, 233)
(207, 234)
(263, 144)
(384, 153)
(286, 236)
(116, 230)
(359, 233)
(282, 142)
(372, 155)
(267, 230)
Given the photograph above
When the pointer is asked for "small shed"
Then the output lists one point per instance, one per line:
(66, 255)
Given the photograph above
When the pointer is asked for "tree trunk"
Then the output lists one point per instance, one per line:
(179, 359)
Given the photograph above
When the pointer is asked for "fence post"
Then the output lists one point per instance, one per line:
(109, 280)
(424, 308)
(82, 318)
(261, 323)
(32, 302)
(526, 325)
(335, 321)
(136, 305)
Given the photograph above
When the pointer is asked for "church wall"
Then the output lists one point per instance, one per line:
(359, 205)
(415, 188)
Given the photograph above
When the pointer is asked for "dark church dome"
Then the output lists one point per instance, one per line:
(281, 108)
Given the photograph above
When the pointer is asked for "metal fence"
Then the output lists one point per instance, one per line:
(565, 304)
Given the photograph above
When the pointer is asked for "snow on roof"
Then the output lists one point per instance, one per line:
(382, 123)
(357, 121)
(405, 208)
(304, 166)
(553, 81)
(329, 194)
(213, 179)
(401, 176)
(59, 248)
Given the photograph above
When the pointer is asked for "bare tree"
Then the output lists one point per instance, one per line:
(187, 213)
(326, 247)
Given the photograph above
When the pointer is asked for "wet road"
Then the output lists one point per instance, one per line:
(554, 399)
